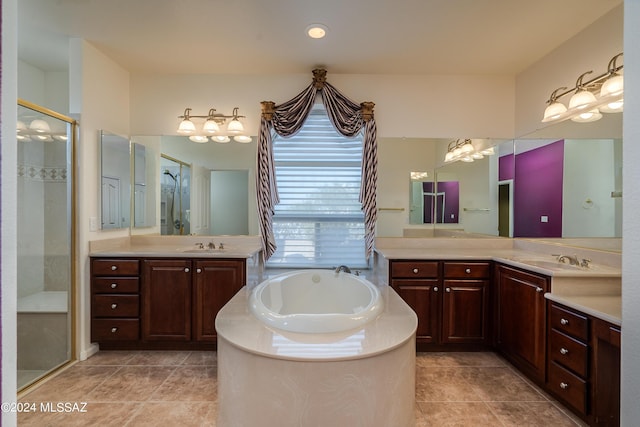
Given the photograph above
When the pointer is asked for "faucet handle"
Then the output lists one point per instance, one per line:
(200, 245)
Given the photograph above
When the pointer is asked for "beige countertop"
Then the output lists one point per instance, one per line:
(176, 247)
(605, 307)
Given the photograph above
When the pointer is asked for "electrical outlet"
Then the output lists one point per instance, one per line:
(544, 218)
(93, 223)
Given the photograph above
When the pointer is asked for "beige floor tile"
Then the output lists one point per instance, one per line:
(538, 414)
(443, 414)
(72, 385)
(131, 384)
(189, 383)
(500, 384)
(183, 414)
(443, 385)
(170, 358)
(109, 358)
(207, 358)
(97, 414)
(452, 359)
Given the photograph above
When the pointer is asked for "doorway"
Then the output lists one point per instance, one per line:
(505, 208)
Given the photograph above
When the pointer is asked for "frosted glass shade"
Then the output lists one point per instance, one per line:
(553, 111)
(200, 139)
(235, 127)
(581, 99)
(613, 86)
(588, 116)
(186, 127)
(210, 126)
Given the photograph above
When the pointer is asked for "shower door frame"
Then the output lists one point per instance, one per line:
(72, 201)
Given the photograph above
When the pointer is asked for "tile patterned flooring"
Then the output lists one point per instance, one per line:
(163, 388)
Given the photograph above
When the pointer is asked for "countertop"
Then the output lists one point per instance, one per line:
(595, 290)
(176, 247)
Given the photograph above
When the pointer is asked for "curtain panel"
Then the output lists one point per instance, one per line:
(286, 119)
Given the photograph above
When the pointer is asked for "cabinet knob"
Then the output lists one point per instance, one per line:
(198, 270)
(186, 270)
(539, 289)
(468, 271)
(114, 306)
(564, 385)
(114, 285)
(564, 321)
(447, 289)
(114, 267)
(564, 351)
(415, 271)
(435, 289)
(114, 330)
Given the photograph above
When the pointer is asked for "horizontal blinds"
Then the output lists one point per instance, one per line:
(319, 221)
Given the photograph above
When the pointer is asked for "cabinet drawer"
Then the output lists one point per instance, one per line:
(115, 330)
(116, 285)
(461, 270)
(568, 352)
(569, 322)
(414, 269)
(115, 267)
(571, 388)
(115, 306)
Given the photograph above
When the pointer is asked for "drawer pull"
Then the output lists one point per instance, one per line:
(114, 285)
(114, 267)
(114, 330)
(447, 289)
(198, 270)
(564, 351)
(435, 289)
(114, 306)
(468, 271)
(539, 289)
(415, 271)
(564, 322)
(564, 385)
(186, 270)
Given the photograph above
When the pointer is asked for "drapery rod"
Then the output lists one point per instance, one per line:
(476, 209)
(391, 209)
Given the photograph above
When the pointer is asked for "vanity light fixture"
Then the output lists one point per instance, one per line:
(603, 93)
(463, 150)
(211, 127)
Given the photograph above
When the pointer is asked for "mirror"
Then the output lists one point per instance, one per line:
(144, 206)
(115, 170)
(175, 197)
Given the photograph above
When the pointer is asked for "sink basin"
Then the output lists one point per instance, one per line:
(202, 251)
(551, 265)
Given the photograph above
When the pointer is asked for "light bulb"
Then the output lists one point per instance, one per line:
(200, 139)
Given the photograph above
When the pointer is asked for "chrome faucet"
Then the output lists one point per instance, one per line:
(343, 268)
(573, 260)
(211, 246)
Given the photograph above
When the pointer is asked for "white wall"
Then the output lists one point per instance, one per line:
(631, 225)
(406, 106)
(99, 97)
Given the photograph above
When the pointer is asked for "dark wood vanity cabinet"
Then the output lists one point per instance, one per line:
(450, 299)
(584, 364)
(520, 319)
(161, 302)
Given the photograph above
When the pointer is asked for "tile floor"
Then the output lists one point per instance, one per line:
(162, 388)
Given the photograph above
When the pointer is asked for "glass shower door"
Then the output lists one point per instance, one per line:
(45, 242)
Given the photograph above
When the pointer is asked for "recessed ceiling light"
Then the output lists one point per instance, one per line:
(317, 31)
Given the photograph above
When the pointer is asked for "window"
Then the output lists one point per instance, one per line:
(319, 221)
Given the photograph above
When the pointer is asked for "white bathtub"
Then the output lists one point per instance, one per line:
(316, 301)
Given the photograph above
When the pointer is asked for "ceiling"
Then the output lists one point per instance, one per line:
(268, 36)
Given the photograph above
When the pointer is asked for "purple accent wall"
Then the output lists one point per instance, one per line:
(506, 167)
(427, 204)
(451, 190)
(538, 191)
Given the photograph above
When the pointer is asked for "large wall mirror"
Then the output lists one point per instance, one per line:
(115, 171)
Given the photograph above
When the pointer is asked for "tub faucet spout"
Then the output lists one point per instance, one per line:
(343, 268)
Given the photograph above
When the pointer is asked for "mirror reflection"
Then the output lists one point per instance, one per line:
(175, 197)
(115, 165)
(144, 207)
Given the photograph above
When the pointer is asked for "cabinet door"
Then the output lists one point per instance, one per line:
(423, 297)
(606, 374)
(521, 319)
(464, 311)
(215, 283)
(166, 300)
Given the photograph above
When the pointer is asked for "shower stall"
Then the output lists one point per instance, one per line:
(45, 244)
(175, 196)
